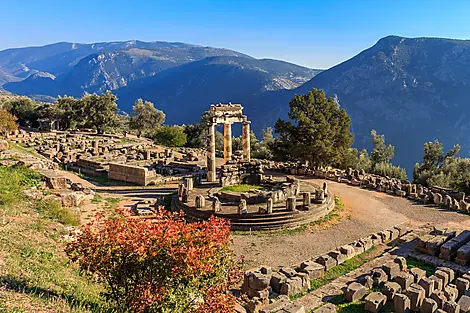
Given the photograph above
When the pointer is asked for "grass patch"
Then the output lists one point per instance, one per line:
(96, 198)
(21, 148)
(429, 268)
(35, 273)
(54, 210)
(241, 188)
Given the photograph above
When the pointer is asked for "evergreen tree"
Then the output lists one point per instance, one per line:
(319, 131)
(100, 110)
(381, 153)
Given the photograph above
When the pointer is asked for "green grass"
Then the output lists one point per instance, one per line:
(429, 268)
(21, 148)
(54, 210)
(338, 271)
(35, 273)
(241, 188)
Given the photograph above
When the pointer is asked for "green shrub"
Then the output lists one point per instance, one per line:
(388, 169)
(170, 136)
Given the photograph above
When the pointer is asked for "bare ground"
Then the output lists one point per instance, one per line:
(367, 212)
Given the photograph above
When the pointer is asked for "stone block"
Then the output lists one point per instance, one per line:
(338, 256)
(358, 246)
(276, 305)
(451, 307)
(314, 270)
(402, 304)
(255, 280)
(327, 308)
(464, 303)
(463, 255)
(462, 285)
(451, 292)
(379, 276)
(450, 248)
(348, 251)
(375, 302)
(450, 273)
(289, 272)
(439, 297)
(305, 280)
(402, 262)
(417, 274)
(276, 281)
(404, 280)
(292, 286)
(443, 276)
(354, 292)
(416, 294)
(438, 282)
(428, 306)
(390, 289)
(428, 285)
(367, 281)
(327, 261)
(293, 308)
(391, 268)
(367, 243)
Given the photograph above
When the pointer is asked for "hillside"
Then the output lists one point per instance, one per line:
(73, 69)
(192, 87)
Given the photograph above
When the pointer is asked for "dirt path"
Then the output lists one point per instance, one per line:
(368, 212)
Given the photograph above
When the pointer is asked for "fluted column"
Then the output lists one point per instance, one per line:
(246, 140)
(227, 142)
(211, 165)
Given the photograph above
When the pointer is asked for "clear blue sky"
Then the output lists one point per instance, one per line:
(314, 33)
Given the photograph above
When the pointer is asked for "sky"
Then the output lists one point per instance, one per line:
(313, 33)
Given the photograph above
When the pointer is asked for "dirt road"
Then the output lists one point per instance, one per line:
(367, 212)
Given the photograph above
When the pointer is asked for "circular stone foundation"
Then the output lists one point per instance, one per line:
(255, 216)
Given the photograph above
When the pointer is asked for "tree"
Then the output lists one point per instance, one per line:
(195, 135)
(145, 117)
(7, 123)
(320, 131)
(71, 112)
(170, 136)
(158, 265)
(24, 109)
(381, 153)
(100, 110)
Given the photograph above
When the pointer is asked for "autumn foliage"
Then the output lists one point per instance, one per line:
(158, 265)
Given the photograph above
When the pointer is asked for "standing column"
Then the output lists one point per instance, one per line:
(227, 142)
(211, 166)
(246, 140)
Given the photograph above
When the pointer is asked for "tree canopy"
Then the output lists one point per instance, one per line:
(319, 130)
(145, 117)
(171, 136)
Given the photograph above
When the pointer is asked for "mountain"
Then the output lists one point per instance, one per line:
(72, 69)
(413, 90)
(184, 92)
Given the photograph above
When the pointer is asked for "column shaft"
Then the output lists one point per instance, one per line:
(211, 165)
(227, 142)
(246, 140)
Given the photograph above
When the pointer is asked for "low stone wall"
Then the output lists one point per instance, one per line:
(261, 284)
(392, 186)
(132, 174)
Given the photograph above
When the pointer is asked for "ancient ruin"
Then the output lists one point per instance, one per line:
(225, 114)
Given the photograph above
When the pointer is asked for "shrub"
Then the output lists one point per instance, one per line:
(170, 136)
(158, 265)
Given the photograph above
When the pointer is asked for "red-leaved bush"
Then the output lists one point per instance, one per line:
(158, 265)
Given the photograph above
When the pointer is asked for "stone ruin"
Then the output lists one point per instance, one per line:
(225, 114)
(437, 196)
(138, 162)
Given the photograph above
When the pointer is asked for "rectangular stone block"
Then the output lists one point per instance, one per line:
(428, 306)
(462, 285)
(417, 274)
(354, 292)
(314, 271)
(464, 303)
(375, 302)
(327, 261)
(451, 307)
(390, 289)
(402, 304)
(416, 294)
(391, 268)
(428, 285)
(404, 280)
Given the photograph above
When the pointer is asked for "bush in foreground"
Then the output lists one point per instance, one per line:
(158, 265)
